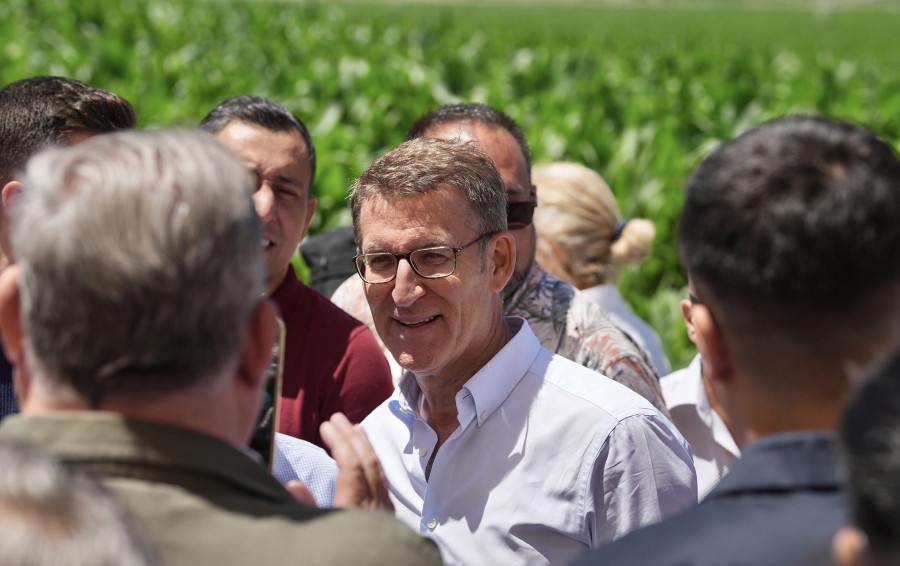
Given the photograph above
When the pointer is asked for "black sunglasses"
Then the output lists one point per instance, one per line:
(519, 214)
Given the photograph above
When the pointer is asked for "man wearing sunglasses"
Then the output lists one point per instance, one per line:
(496, 448)
(564, 321)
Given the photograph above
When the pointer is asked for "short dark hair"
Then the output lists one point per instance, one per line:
(870, 447)
(40, 112)
(794, 220)
(472, 112)
(264, 112)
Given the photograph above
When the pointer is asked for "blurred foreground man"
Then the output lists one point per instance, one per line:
(52, 515)
(37, 113)
(564, 321)
(495, 447)
(135, 316)
(332, 362)
(791, 238)
(870, 449)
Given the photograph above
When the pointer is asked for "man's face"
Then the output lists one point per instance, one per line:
(433, 327)
(280, 161)
(507, 155)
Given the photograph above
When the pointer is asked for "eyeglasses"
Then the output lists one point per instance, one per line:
(430, 263)
(693, 298)
(519, 214)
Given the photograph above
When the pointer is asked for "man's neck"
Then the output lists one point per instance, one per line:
(438, 407)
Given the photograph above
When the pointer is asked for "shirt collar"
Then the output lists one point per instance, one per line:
(693, 394)
(784, 461)
(485, 391)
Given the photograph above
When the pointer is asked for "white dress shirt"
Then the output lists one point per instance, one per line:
(711, 441)
(608, 297)
(550, 459)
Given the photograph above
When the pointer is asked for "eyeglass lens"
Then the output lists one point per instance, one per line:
(431, 262)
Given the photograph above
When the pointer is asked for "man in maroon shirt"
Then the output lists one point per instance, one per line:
(332, 362)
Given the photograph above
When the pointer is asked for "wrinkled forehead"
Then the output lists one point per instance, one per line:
(499, 144)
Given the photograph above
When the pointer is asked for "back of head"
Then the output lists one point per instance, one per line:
(264, 112)
(41, 112)
(790, 234)
(579, 213)
(870, 446)
(140, 262)
(471, 113)
(54, 516)
(423, 166)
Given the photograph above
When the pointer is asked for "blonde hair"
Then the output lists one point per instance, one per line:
(578, 213)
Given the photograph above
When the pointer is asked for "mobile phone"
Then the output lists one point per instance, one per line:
(263, 441)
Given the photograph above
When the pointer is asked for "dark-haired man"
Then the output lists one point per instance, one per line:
(36, 113)
(791, 239)
(332, 362)
(563, 320)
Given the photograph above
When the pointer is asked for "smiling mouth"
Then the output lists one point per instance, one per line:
(266, 243)
(417, 323)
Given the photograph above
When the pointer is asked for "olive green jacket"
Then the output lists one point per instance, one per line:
(204, 502)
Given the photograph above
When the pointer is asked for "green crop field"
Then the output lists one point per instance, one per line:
(638, 93)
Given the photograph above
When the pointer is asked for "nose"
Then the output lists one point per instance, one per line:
(264, 201)
(407, 285)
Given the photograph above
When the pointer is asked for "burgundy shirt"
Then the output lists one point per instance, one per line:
(332, 362)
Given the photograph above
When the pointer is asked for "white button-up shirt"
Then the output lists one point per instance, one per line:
(713, 446)
(550, 459)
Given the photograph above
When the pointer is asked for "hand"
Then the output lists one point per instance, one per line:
(360, 481)
(301, 493)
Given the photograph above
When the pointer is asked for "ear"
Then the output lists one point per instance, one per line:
(717, 355)
(310, 212)
(848, 546)
(11, 328)
(688, 314)
(501, 261)
(12, 333)
(261, 331)
(9, 192)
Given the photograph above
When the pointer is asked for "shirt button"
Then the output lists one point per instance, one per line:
(432, 523)
(484, 415)
(422, 452)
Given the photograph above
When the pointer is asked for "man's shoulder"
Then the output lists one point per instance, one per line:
(194, 528)
(749, 522)
(734, 531)
(223, 509)
(577, 381)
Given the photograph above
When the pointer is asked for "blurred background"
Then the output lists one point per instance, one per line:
(639, 92)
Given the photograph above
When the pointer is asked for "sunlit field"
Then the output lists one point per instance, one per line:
(640, 94)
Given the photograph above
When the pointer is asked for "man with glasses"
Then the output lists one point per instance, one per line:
(493, 446)
(563, 320)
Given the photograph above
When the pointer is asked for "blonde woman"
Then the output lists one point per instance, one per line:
(583, 239)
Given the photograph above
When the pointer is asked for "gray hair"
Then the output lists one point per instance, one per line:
(51, 515)
(140, 261)
(424, 165)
